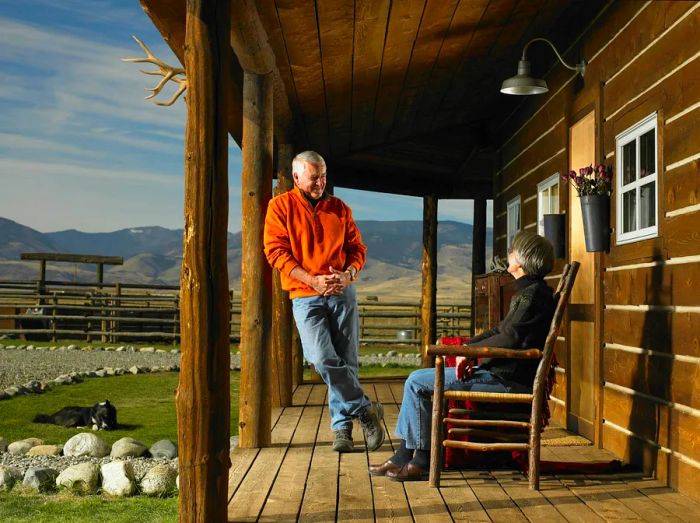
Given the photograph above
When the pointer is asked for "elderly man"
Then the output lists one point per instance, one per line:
(311, 238)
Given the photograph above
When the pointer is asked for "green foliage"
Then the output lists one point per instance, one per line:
(145, 405)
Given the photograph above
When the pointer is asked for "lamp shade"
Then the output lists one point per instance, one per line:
(522, 83)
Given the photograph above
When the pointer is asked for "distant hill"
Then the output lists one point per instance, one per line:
(154, 255)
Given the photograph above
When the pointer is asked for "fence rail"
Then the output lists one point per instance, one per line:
(112, 312)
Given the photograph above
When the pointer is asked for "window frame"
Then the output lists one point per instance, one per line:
(633, 134)
(541, 187)
(509, 207)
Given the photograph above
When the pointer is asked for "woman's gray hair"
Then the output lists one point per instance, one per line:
(534, 253)
(304, 157)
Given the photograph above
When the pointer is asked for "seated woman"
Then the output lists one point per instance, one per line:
(526, 326)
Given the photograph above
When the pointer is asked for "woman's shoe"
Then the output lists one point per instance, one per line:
(408, 472)
(384, 468)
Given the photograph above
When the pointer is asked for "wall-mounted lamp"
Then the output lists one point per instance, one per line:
(522, 83)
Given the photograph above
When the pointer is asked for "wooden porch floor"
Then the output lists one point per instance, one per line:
(300, 478)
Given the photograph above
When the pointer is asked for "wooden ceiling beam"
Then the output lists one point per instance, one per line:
(371, 20)
(462, 26)
(251, 44)
(359, 176)
(479, 67)
(431, 37)
(402, 31)
(336, 34)
(492, 22)
(301, 39)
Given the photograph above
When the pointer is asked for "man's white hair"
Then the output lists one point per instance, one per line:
(306, 157)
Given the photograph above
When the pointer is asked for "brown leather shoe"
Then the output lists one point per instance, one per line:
(408, 472)
(384, 468)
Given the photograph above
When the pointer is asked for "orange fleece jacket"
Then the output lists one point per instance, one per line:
(297, 234)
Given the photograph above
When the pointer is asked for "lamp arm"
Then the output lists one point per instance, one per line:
(581, 68)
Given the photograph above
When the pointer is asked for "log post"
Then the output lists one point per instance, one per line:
(256, 275)
(203, 393)
(429, 276)
(281, 364)
(478, 251)
(297, 358)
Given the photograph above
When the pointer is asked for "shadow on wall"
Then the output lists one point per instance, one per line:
(652, 376)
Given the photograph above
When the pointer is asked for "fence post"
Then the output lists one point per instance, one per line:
(53, 314)
(176, 315)
(103, 322)
(118, 312)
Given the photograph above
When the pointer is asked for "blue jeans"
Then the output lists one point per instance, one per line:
(415, 417)
(329, 331)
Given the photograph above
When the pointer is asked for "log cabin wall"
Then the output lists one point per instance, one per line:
(644, 58)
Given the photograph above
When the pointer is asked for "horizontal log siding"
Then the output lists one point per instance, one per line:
(646, 57)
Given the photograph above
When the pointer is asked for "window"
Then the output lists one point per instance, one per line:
(513, 219)
(637, 182)
(547, 200)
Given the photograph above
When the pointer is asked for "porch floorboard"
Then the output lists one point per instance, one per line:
(299, 478)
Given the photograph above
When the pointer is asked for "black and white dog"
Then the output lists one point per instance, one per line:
(101, 416)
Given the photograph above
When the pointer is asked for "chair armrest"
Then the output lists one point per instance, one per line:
(483, 352)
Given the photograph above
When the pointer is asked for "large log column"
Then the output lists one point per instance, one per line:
(282, 364)
(203, 393)
(429, 274)
(256, 275)
(478, 249)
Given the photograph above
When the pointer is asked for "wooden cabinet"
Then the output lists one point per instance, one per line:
(492, 295)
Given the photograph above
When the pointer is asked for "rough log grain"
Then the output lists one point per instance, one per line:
(281, 365)
(256, 275)
(203, 393)
(429, 274)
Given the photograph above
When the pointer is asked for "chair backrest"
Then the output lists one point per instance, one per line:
(566, 283)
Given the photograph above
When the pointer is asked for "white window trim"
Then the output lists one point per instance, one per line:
(622, 139)
(545, 184)
(512, 204)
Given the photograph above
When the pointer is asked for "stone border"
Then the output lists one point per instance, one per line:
(390, 358)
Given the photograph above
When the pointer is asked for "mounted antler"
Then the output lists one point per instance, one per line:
(168, 72)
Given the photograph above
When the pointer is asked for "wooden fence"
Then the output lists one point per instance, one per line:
(114, 313)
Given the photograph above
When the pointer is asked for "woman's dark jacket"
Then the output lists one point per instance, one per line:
(525, 327)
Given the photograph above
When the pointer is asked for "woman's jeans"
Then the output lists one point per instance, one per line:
(414, 422)
(328, 327)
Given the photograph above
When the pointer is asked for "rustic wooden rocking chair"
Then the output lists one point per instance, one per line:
(490, 427)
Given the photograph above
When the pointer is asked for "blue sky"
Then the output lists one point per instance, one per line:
(80, 148)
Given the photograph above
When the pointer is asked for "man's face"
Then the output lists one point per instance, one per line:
(312, 181)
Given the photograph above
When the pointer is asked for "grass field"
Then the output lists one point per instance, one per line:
(145, 405)
(133, 395)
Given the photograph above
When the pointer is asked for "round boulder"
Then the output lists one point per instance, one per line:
(42, 479)
(21, 447)
(127, 448)
(8, 477)
(118, 478)
(163, 449)
(82, 478)
(45, 450)
(86, 444)
(159, 481)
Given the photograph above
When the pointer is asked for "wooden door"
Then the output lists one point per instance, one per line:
(581, 327)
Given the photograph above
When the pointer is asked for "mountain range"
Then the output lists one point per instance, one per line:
(153, 255)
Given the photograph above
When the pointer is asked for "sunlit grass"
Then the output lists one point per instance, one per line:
(145, 405)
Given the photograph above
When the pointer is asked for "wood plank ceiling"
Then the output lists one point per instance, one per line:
(403, 96)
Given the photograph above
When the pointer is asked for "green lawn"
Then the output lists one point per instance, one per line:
(145, 405)
(24, 507)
